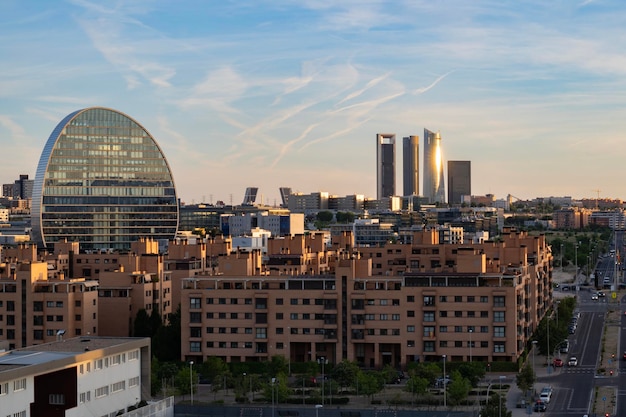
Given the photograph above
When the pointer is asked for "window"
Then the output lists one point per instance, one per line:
(484, 299)
(56, 399)
(443, 298)
(133, 355)
(429, 300)
(498, 331)
(221, 315)
(383, 317)
(395, 302)
(306, 301)
(484, 329)
(222, 330)
(293, 316)
(498, 316)
(458, 298)
(458, 314)
(410, 313)
(85, 396)
(458, 344)
(443, 329)
(429, 331)
(484, 344)
(133, 382)
(458, 329)
(410, 298)
(195, 331)
(443, 343)
(102, 391)
(37, 320)
(471, 329)
(471, 314)
(118, 386)
(484, 314)
(10, 305)
(383, 332)
(38, 306)
(498, 347)
(410, 343)
(77, 317)
(261, 333)
(443, 314)
(429, 316)
(370, 317)
(195, 317)
(279, 301)
(498, 301)
(59, 304)
(279, 316)
(234, 345)
(233, 316)
(19, 384)
(195, 303)
(4, 388)
(209, 301)
(233, 301)
(222, 345)
(260, 303)
(395, 317)
(429, 346)
(248, 301)
(410, 329)
(294, 301)
(383, 302)
(471, 299)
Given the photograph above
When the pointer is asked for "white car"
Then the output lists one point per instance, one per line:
(594, 296)
(573, 361)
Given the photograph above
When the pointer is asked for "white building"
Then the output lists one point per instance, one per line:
(82, 376)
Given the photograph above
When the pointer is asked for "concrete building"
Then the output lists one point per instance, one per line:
(21, 189)
(410, 166)
(103, 181)
(385, 165)
(37, 299)
(459, 181)
(276, 224)
(307, 203)
(388, 305)
(434, 185)
(76, 377)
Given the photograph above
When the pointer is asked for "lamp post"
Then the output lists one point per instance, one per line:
(323, 361)
(500, 397)
(317, 409)
(445, 386)
(576, 260)
(470, 344)
(191, 380)
(561, 257)
(273, 383)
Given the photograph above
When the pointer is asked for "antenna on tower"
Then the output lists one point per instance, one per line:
(598, 198)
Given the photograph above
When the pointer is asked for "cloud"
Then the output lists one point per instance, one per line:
(433, 84)
(370, 84)
(16, 131)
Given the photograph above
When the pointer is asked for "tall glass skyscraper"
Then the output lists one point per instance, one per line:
(385, 165)
(459, 181)
(434, 185)
(103, 181)
(410, 165)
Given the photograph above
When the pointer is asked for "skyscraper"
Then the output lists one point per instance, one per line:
(103, 181)
(459, 181)
(410, 165)
(385, 165)
(434, 185)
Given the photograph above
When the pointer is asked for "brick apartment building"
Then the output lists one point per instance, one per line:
(377, 306)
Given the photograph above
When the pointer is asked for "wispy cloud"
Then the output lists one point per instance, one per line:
(433, 84)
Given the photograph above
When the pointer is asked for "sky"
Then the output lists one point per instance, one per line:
(278, 93)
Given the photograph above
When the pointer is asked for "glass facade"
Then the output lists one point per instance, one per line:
(103, 181)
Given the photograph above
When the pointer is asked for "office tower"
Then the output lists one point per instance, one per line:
(103, 181)
(284, 196)
(410, 165)
(250, 196)
(20, 189)
(434, 187)
(385, 165)
(459, 181)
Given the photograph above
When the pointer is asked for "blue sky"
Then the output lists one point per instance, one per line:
(291, 93)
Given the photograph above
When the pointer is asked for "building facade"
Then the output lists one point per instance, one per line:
(103, 181)
(385, 165)
(76, 377)
(410, 165)
(388, 305)
(434, 185)
(459, 182)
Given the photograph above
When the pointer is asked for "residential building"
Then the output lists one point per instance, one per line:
(103, 181)
(393, 305)
(21, 189)
(385, 165)
(307, 203)
(76, 377)
(459, 182)
(434, 185)
(410, 166)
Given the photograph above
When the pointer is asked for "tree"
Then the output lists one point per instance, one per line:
(184, 379)
(370, 383)
(325, 216)
(277, 388)
(472, 371)
(277, 365)
(429, 371)
(345, 373)
(417, 385)
(495, 407)
(141, 325)
(155, 321)
(214, 369)
(526, 378)
(458, 388)
(166, 341)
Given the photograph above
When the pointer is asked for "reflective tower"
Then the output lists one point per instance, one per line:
(410, 165)
(103, 181)
(385, 165)
(434, 185)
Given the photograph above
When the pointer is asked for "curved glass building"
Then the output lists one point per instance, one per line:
(103, 181)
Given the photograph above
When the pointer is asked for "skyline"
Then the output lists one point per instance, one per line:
(273, 94)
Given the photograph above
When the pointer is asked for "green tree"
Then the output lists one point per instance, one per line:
(277, 365)
(370, 383)
(155, 321)
(141, 325)
(277, 388)
(214, 369)
(458, 388)
(525, 378)
(345, 373)
(417, 385)
(185, 380)
(495, 407)
(472, 371)
(429, 371)
(166, 341)
(325, 216)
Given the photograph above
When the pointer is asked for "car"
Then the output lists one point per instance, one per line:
(624, 355)
(601, 294)
(565, 346)
(573, 361)
(594, 296)
(557, 362)
(540, 406)
(546, 395)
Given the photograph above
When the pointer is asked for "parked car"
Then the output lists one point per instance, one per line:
(540, 406)
(546, 395)
(573, 361)
(557, 362)
(565, 346)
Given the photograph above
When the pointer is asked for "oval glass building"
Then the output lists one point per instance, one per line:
(103, 181)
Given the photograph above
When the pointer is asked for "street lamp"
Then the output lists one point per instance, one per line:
(323, 361)
(317, 409)
(273, 383)
(191, 380)
(244, 381)
(444, 381)
(470, 344)
(500, 397)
